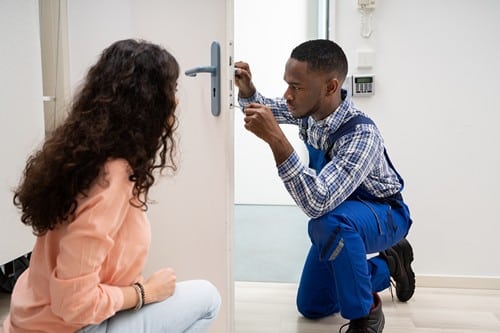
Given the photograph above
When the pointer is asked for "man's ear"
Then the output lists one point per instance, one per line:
(332, 86)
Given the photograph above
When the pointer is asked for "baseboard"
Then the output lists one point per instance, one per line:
(454, 281)
(424, 281)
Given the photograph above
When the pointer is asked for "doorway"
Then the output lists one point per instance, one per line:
(270, 231)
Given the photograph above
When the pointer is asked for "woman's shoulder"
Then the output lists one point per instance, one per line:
(113, 177)
(113, 184)
(117, 167)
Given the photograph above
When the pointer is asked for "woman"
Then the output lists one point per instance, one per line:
(85, 193)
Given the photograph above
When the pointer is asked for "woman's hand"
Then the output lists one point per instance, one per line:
(159, 286)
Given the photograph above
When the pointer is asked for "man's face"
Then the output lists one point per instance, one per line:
(306, 89)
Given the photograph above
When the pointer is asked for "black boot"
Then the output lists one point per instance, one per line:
(399, 258)
(373, 323)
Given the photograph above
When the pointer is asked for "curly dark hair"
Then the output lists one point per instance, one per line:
(124, 109)
(322, 55)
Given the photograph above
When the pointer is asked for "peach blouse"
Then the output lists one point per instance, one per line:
(76, 270)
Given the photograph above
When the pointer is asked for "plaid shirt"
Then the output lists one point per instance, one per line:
(357, 159)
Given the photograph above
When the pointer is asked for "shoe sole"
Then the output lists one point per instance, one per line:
(382, 324)
(407, 252)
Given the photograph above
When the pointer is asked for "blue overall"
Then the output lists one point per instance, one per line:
(337, 277)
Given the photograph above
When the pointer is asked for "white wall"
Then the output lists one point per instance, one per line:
(436, 67)
(21, 114)
(86, 21)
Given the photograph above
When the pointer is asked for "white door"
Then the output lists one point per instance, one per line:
(192, 222)
(192, 219)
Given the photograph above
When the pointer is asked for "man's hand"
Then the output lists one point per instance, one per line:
(260, 120)
(243, 79)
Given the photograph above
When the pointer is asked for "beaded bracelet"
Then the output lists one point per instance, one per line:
(143, 293)
(139, 289)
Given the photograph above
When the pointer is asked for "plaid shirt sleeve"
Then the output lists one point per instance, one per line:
(353, 157)
(277, 106)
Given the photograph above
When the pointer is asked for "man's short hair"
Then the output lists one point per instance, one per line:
(322, 55)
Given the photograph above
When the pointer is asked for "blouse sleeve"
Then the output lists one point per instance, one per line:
(77, 294)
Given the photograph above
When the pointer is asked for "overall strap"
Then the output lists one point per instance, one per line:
(348, 127)
(303, 124)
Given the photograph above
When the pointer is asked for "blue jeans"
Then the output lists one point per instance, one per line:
(337, 277)
(191, 309)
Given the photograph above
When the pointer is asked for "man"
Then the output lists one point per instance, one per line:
(351, 191)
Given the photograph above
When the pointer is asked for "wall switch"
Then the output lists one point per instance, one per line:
(365, 58)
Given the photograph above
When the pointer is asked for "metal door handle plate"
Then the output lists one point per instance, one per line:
(214, 70)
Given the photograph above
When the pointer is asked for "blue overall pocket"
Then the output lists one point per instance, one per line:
(382, 213)
(325, 236)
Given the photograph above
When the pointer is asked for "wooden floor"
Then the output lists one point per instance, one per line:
(270, 308)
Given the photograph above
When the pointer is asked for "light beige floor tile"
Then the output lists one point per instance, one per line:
(270, 308)
(265, 307)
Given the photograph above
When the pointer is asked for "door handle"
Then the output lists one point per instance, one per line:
(214, 70)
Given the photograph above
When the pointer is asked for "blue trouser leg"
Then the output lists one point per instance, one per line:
(337, 275)
(317, 294)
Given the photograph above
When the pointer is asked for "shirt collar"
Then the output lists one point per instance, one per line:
(318, 131)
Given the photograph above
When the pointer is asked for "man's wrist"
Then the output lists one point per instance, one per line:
(247, 94)
(290, 168)
(281, 148)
